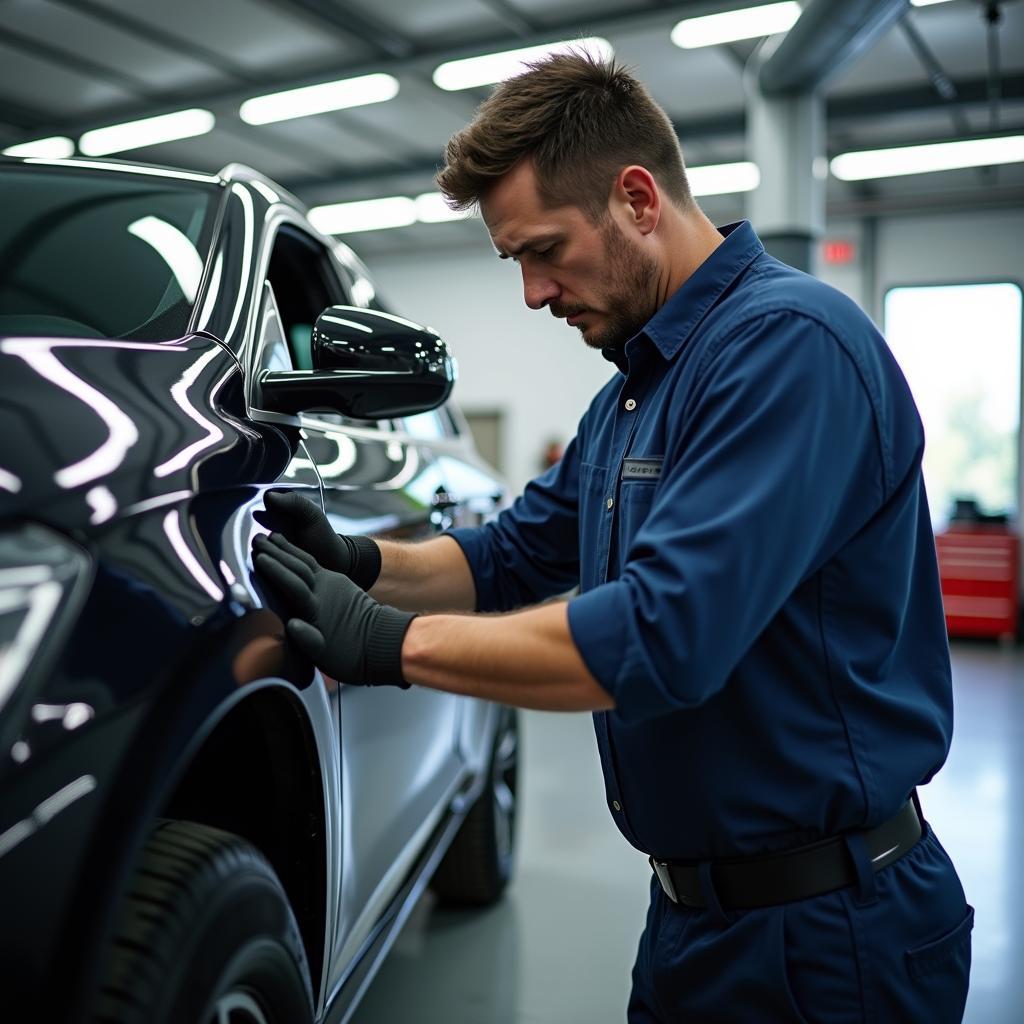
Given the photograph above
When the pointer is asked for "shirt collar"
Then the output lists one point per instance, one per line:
(681, 314)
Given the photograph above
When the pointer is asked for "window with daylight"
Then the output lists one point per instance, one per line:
(959, 347)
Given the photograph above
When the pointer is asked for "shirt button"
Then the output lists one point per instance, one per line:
(609, 503)
(630, 404)
(617, 805)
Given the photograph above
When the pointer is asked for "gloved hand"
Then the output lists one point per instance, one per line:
(307, 527)
(336, 625)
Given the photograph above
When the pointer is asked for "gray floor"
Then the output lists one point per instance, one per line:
(559, 947)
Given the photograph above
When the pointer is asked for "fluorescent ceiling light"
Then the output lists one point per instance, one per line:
(926, 3)
(496, 67)
(720, 179)
(941, 156)
(150, 131)
(57, 147)
(432, 209)
(318, 99)
(749, 23)
(175, 249)
(365, 215)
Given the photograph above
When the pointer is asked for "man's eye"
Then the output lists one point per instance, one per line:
(545, 253)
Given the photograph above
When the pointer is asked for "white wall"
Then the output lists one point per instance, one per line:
(524, 362)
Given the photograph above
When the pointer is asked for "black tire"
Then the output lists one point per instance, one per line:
(478, 865)
(205, 936)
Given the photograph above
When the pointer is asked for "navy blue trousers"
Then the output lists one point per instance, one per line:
(895, 950)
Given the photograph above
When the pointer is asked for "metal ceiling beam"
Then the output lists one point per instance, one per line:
(380, 36)
(511, 16)
(941, 83)
(74, 62)
(829, 35)
(422, 62)
(153, 34)
(904, 101)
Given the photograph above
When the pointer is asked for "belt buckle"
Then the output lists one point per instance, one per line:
(661, 870)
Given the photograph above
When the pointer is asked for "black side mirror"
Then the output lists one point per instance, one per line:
(367, 365)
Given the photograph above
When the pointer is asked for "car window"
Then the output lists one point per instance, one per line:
(95, 254)
(304, 284)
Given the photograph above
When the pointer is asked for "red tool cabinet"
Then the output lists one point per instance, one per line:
(979, 569)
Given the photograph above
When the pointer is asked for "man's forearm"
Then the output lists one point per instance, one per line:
(426, 576)
(526, 659)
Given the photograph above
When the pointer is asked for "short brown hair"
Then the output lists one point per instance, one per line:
(581, 119)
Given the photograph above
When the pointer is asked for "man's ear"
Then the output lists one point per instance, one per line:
(638, 196)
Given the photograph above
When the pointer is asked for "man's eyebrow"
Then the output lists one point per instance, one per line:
(532, 243)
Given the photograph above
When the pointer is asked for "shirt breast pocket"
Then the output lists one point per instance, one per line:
(635, 500)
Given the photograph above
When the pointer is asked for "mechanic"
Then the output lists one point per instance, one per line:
(759, 631)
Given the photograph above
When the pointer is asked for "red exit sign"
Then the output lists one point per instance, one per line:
(838, 251)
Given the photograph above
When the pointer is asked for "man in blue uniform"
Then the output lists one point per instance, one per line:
(759, 630)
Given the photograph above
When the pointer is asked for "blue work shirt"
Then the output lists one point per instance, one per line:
(743, 509)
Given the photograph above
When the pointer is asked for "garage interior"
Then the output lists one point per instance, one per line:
(934, 256)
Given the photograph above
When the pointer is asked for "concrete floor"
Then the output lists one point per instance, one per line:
(559, 948)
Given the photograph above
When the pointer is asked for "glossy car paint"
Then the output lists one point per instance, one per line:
(149, 458)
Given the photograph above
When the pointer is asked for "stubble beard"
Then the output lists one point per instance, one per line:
(631, 296)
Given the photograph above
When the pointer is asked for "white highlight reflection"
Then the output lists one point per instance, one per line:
(36, 596)
(248, 217)
(102, 503)
(9, 482)
(212, 293)
(122, 431)
(46, 812)
(174, 248)
(172, 528)
(179, 392)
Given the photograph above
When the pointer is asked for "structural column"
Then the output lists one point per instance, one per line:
(786, 139)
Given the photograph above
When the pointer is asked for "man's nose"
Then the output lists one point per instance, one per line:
(538, 289)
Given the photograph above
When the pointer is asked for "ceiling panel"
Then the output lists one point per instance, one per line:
(448, 23)
(330, 142)
(687, 83)
(59, 91)
(418, 120)
(250, 33)
(212, 152)
(124, 52)
(543, 12)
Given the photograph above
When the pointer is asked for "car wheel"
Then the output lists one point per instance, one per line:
(478, 864)
(206, 936)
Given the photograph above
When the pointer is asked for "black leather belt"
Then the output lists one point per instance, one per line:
(795, 874)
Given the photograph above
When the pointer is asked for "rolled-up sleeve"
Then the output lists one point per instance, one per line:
(777, 462)
(530, 552)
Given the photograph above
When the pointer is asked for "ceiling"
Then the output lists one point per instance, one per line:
(67, 66)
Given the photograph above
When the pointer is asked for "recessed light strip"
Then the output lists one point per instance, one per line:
(471, 72)
(364, 215)
(319, 99)
(150, 131)
(940, 156)
(723, 179)
(57, 147)
(748, 23)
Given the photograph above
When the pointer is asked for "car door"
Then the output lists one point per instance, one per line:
(399, 756)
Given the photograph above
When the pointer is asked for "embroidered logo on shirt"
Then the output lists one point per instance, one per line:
(641, 469)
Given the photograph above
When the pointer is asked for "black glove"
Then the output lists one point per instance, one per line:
(307, 527)
(342, 630)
